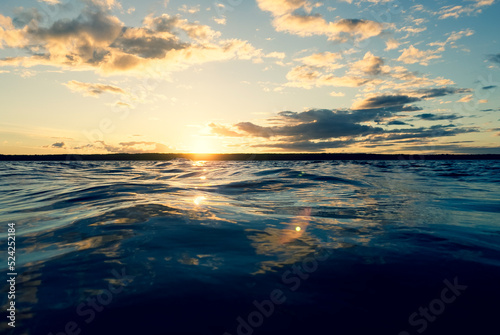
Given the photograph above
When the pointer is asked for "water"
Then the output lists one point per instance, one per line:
(185, 247)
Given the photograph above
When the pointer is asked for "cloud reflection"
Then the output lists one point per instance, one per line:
(287, 246)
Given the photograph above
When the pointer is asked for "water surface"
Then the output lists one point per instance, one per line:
(184, 247)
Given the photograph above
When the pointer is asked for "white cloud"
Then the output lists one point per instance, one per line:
(466, 98)
(278, 55)
(455, 11)
(285, 18)
(220, 20)
(412, 55)
(189, 9)
(326, 60)
(50, 2)
(454, 36)
(391, 44)
(337, 94)
(370, 64)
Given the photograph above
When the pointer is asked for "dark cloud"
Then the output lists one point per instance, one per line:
(58, 145)
(320, 129)
(489, 87)
(396, 122)
(442, 91)
(81, 40)
(145, 44)
(90, 25)
(436, 117)
(315, 124)
(392, 102)
(164, 23)
(431, 132)
(255, 130)
(495, 58)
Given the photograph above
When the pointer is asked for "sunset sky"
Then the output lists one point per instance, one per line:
(106, 76)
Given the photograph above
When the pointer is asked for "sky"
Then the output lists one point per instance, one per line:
(237, 76)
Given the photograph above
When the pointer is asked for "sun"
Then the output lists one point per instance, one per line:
(202, 145)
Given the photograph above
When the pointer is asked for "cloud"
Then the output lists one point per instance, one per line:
(422, 133)
(98, 41)
(57, 145)
(322, 60)
(455, 11)
(337, 94)
(436, 117)
(489, 87)
(369, 65)
(104, 4)
(223, 130)
(94, 90)
(391, 44)
(441, 91)
(220, 20)
(189, 9)
(50, 2)
(295, 17)
(397, 122)
(323, 129)
(342, 30)
(393, 102)
(466, 98)
(255, 130)
(412, 55)
(144, 44)
(305, 76)
(316, 124)
(320, 69)
(278, 55)
(495, 58)
(123, 104)
(171, 24)
(454, 36)
(134, 147)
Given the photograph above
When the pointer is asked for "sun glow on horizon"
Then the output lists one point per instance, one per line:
(202, 145)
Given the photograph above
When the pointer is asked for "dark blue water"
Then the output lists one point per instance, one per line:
(181, 247)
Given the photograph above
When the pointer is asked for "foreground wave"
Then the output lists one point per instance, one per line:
(183, 247)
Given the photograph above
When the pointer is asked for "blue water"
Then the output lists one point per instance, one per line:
(184, 247)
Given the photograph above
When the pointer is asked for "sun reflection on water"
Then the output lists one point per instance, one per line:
(199, 199)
